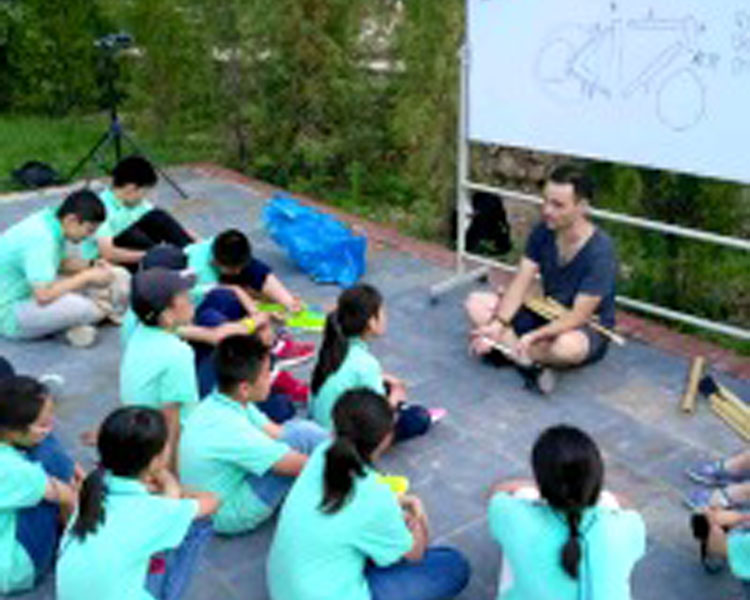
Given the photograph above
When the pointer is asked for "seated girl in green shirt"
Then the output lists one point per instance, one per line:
(345, 362)
(564, 542)
(37, 490)
(132, 508)
(344, 534)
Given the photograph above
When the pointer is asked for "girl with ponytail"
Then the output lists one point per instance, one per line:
(344, 534)
(131, 508)
(565, 538)
(345, 362)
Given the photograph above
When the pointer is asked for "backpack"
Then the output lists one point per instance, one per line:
(488, 232)
(36, 174)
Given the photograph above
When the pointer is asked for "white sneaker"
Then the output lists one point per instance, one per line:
(54, 383)
(81, 336)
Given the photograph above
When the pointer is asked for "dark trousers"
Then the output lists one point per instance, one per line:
(218, 307)
(37, 527)
(155, 227)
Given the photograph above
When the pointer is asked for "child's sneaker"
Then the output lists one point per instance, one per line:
(437, 414)
(296, 390)
(81, 336)
(289, 353)
(715, 473)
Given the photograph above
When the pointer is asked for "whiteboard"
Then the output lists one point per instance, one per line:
(664, 83)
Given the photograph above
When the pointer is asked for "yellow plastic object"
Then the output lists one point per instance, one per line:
(398, 483)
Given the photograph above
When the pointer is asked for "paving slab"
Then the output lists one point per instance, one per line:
(628, 402)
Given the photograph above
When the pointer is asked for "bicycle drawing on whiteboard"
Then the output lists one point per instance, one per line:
(621, 58)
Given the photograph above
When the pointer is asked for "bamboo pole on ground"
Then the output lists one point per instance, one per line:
(688, 399)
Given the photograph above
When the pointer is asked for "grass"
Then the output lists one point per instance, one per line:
(62, 142)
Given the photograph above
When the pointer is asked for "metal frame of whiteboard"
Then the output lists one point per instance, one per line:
(463, 209)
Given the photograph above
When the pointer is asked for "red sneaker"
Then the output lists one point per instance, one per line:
(296, 390)
(289, 353)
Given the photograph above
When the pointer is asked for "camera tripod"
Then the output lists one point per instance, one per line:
(115, 134)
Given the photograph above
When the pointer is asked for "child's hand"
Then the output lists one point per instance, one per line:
(295, 305)
(88, 438)
(165, 483)
(78, 476)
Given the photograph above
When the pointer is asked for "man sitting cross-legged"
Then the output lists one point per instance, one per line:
(577, 265)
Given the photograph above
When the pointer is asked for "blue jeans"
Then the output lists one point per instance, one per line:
(302, 436)
(38, 527)
(442, 573)
(180, 563)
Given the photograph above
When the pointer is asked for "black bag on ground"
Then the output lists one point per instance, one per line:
(488, 232)
(36, 174)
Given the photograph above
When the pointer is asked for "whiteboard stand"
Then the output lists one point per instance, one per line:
(463, 206)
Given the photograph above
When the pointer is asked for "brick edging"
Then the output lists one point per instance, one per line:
(633, 326)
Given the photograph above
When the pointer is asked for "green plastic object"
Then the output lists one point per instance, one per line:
(306, 319)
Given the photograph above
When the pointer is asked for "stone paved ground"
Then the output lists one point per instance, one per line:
(627, 402)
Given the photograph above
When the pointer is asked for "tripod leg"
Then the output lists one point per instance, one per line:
(159, 170)
(82, 163)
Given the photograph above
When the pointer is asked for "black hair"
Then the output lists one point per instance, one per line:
(85, 205)
(21, 400)
(136, 170)
(569, 471)
(231, 249)
(356, 306)
(238, 358)
(129, 439)
(362, 419)
(583, 185)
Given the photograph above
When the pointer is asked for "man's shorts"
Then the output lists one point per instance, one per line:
(526, 321)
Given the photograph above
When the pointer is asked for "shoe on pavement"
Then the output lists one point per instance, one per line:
(81, 336)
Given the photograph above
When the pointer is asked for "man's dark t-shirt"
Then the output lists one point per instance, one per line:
(592, 271)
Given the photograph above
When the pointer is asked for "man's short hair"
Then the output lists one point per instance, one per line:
(85, 205)
(231, 249)
(136, 170)
(583, 186)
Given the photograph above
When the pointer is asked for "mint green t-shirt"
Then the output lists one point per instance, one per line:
(319, 556)
(200, 257)
(532, 536)
(112, 563)
(738, 553)
(221, 443)
(158, 369)
(119, 215)
(359, 369)
(22, 484)
(30, 255)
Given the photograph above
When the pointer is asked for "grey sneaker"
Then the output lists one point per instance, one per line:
(81, 336)
(54, 383)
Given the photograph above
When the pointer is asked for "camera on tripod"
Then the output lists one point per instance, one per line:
(114, 42)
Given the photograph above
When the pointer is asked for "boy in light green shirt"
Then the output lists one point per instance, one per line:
(158, 368)
(40, 292)
(232, 449)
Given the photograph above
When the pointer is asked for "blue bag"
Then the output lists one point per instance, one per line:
(319, 244)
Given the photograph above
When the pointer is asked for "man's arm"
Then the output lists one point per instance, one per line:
(121, 256)
(513, 297)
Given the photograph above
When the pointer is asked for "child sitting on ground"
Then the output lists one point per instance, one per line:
(158, 368)
(37, 485)
(131, 508)
(562, 537)
(133, 224)
(232, 449)
(344, 534)
(344, 362)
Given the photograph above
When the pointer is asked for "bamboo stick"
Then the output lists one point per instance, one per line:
(551, 309)
(688, 399)
(724, 411)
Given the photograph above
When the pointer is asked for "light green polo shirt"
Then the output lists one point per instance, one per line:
(119, 215)
(319, 556)
(30, 255)
(200, 262)
(532, 536)
(359, 369)
(738, 553)
(112, 563)
(221, 443)
(158, 369)
(22, 484)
